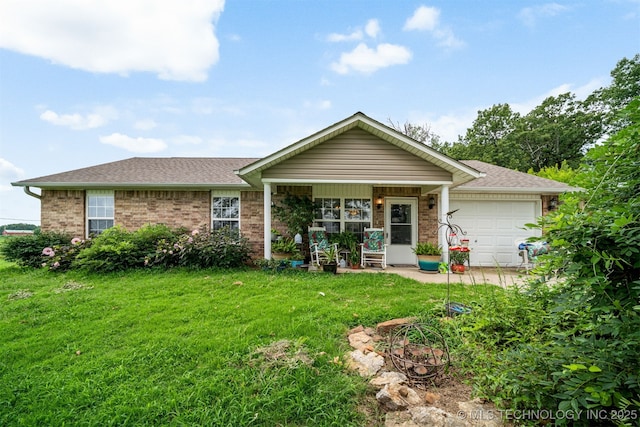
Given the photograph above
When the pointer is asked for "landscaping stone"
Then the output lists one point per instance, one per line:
(397, 397)
(386, 378)
(367, 365)
(405, 406)
(385, 327)
(359, 340)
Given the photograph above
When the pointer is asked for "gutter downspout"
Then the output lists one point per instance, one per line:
(31, 193)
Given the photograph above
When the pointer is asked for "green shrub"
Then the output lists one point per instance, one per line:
(573, 344)
(27, 250)
(223, 248)
(116, 249)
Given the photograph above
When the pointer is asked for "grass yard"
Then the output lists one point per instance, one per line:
(186, 347)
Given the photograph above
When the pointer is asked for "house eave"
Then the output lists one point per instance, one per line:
(519, 190)
(126, 185)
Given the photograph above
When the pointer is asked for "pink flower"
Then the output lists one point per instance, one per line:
(48, 252)
(76, 241)
(194, 232)
(56, 264)
(190, 240)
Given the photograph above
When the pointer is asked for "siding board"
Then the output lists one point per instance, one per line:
(357, 154)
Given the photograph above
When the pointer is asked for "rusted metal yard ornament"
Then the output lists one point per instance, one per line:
(419, 352)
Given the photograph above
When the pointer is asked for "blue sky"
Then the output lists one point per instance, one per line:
(84, 83)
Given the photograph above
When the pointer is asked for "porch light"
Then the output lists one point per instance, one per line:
(432, 202)
(379, 202)
(553, 203)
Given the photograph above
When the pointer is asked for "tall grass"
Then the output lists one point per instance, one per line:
(179, 347)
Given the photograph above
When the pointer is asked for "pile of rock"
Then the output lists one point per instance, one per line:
(405, 405)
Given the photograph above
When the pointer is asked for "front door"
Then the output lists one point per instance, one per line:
(401, 229)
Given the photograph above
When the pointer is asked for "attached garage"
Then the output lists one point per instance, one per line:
(493, 226)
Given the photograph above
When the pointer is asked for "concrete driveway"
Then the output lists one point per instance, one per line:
(475, 276)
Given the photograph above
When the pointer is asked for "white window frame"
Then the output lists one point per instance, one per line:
(226, 195)
(100, 206)
(339, 205)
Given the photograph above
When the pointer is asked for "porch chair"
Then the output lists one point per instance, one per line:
(318, 243)
(373, 249)
(523, 253)
(529, 252)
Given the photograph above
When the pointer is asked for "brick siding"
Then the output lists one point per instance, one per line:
(135, 208)
(63, 210)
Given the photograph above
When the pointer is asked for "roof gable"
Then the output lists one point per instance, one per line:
(460, 172)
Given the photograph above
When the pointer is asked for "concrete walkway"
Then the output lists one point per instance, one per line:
(475, 276)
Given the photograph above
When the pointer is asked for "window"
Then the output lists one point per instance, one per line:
(357, 214)
(100, 211)
(348, 214)
(225, 212)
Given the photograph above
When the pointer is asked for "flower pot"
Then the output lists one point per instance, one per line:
(429, 263)
(457, 268)
(296, 263)
(330, 268)
(280, 255)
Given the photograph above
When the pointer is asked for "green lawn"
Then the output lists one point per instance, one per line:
(180, 347)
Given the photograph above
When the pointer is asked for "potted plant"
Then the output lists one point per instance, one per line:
(329, 263)
(354, 256)
(283, 249)
(458, 257)
(428, 256)
(297, 259)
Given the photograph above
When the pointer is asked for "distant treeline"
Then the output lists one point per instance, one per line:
(19, 226)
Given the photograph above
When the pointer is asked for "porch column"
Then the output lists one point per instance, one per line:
(444, 208)
(267, 220)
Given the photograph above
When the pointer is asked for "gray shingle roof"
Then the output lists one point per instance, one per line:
(210, 172)
(503, 179)
(169, 171)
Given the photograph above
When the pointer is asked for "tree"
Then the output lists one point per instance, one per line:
(593, 337)
(488, 139)
(557, 130)
(421, 133)
(624, 87)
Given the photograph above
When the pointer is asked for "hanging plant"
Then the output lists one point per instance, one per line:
(297, 212)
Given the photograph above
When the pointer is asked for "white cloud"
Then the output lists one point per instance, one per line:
(354, 36)
(135, 145)
(77, 121)
(324, 104)
(175, 40)
(366, 60)
(423, 19)
(372, 29)
(428, 19)
(530, 15)
(8, 172)
(145, 124)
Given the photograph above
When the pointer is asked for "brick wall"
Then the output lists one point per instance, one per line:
(427, 218)
(63, 210)
(251, 220)
(135, 208)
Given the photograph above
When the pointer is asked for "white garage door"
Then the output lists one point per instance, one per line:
(492, 228)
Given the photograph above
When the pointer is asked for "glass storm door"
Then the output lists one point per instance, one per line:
(401, 229)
